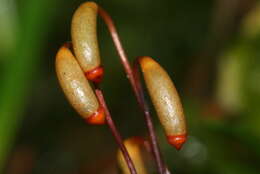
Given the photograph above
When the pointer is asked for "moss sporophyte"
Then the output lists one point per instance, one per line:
(78, 64)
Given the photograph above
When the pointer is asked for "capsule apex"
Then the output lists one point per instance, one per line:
(147, 62)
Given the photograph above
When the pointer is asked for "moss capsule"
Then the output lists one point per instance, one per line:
(136, 148)
(77, 88)
(84, 40)
(165, 100)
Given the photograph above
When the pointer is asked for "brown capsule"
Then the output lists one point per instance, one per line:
(136, 149)
(77, 88)
(165, 100)
(85, 42)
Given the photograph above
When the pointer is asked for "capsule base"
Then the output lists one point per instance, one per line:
(97, 118)
(177, 140)
(95, 75)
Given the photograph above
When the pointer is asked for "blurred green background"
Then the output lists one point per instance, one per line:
(209, 47)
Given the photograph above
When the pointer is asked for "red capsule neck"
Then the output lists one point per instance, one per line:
(95, 75)
(177, 140)
(97, 118)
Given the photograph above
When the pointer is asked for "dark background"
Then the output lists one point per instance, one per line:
(210, 48)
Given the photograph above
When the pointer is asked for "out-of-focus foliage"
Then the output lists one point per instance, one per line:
(8, 23)
(210, 49)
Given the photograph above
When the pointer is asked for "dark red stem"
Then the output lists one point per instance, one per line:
(120, 50)
(136, 88)
(145, 109)
(114, 131)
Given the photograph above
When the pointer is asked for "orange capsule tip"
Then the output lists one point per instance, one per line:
(95, 75)
(177, 140)
(137, 140)
(67, 44)
(97, 118)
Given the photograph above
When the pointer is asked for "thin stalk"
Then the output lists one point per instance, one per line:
(145, 109)
(114, 131)
(120, 50)
(136, 88)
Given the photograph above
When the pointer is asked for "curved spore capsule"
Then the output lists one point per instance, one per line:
(85, 42)
(77, 88)
(138, 153)
(165, 100)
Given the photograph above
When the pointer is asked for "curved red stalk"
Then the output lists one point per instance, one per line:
(136, 88)
(114, 130)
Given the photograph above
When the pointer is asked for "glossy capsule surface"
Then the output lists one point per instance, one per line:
(165, 100)
(77, 88)
(84, 39)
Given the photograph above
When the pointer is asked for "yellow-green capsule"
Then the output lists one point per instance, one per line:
(85, 42)
(77, 88)
(165, 100)
(136, 149)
